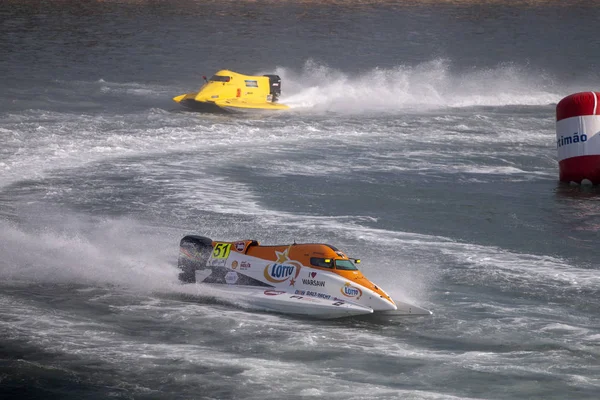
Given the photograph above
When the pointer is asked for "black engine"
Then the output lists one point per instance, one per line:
(194, 252)
(275, 84)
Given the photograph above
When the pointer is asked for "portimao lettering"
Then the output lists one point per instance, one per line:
(575, 138)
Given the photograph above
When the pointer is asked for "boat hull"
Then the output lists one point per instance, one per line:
(202, 106)
(228, 107)
(280, 301)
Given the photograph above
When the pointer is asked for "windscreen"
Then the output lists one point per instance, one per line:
(346, 265)
(219, 78)
(321, 262)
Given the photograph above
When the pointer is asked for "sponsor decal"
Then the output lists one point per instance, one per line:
(312, 282)
(283, 269)
(250, 83)
(312, 274)
(216, 262)
(273, 292)
(245, 265)
(231, 277)
(234, 264)
(240, 246)
(317, 294)
(351, 291)
(313, 294)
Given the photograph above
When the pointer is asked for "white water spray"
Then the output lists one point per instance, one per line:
(426, 86)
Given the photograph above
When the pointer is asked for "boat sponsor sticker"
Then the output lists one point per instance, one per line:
(312, 275)
(273, 292)
(251, 83)
(240, 246)
(231, 277)
(313, 294)
(300, 295)
(313, 282)
(351, 291)
(283, 269)
(244, 265)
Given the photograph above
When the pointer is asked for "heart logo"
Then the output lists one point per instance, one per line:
(313, 274)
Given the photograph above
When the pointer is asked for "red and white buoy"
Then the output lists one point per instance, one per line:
(578, 138)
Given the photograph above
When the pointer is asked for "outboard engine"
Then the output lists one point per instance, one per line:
(275, 85)
(194, 252)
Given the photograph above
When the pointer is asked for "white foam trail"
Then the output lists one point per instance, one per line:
(425, 86)
(118, 252)
(39, 141)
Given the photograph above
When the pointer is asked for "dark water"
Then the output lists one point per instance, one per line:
(420, 139)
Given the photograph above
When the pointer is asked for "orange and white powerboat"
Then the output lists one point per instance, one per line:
(308, 279)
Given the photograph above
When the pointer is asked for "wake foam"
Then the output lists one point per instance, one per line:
(429, 85)
(89, 251)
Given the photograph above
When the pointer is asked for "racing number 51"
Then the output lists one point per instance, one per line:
(221, 250)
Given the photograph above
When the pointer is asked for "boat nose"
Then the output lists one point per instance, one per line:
(382, 303)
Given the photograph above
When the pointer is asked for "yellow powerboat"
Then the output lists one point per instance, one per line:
(229, 91)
